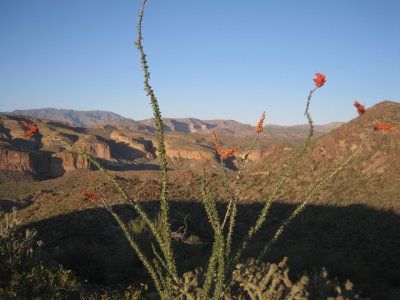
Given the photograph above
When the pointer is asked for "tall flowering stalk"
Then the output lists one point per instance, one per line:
(161, 282)
(232, 206)
(319, 82)
(166, 231)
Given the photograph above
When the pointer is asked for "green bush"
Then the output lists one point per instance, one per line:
(24, 274)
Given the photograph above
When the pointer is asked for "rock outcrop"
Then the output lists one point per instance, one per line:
(262, 153)
(190, 154)
(136, 143)
(64, 161)
(90, 144)
(35, 162)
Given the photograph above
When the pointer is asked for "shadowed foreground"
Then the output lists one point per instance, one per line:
(353, 242)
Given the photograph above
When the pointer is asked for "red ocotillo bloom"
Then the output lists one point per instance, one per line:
(216, 142)
(360, 108)
(90, 196)
(228, 153)
(32, 129)
(319, 79)
(260, 124)
(222, 154)
(387, 127)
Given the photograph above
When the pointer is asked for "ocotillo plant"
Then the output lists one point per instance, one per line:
(163, 268)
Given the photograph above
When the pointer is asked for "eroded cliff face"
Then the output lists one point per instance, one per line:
(35, 162)
(97, 149)
(64, 161)
(190, 150)
(14, 160)
(43, 156)
(190, 154)
(140, 145)
(118, 149)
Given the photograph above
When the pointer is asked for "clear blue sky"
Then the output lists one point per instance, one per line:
(210, 59)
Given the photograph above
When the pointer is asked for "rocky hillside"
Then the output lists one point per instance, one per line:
(42, 156)
(372, 177)
(188, 146)
(350, 227)
(118, 149)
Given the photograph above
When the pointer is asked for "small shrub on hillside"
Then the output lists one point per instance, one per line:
(130, 293)
(23, 274)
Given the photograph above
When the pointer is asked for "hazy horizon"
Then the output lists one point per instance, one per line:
(167, 117)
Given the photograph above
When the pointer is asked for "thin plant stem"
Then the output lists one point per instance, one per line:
(215, 259)
(219, 284)
(217, 252)
(232, 207)
(238, 177)
(165, 228)
(303, 205)
(158, 280)
(209, 204)
(285, 174)
(143, 215)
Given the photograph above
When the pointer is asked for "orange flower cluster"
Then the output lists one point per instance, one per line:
(260, 124)
(32, 129)
(360, 108)
(222, 153)
(385, 127)
(90, 196)
(228, 153)
(319, 79)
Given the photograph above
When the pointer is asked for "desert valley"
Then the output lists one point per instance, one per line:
(350, 227)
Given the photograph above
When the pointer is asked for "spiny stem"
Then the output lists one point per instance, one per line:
(232, 207)
(143, 215)
(285, 174)
(158, 280)
(154, 276)
(238, 177)
(215, 258)
(209, 204)
(165, 228)
(302, 205)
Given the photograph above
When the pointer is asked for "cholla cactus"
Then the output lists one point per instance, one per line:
(260, 281)
(267, 281)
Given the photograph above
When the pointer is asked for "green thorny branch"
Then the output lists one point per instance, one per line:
(303, 205)
(165, 226)
(158, 282)
(284, 175)
(232, 209)
(217, 267)
(217, 253)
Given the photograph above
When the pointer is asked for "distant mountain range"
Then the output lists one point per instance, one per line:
(75, 117)
(110, 120)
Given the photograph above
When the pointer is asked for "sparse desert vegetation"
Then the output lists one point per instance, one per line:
(160, 210)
